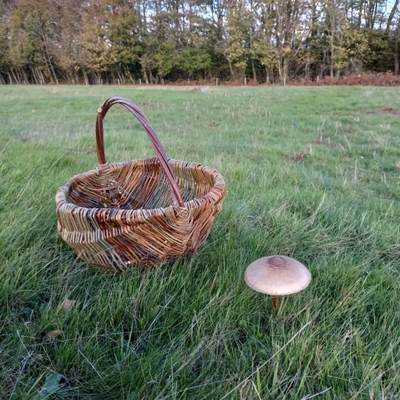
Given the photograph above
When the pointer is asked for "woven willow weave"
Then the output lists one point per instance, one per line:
(138, 213)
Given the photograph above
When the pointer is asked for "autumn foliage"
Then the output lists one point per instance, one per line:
(185, 41)
(379, 79)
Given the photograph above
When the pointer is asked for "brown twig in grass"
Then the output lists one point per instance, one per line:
(296, 157)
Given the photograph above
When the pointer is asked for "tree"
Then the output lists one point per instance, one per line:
(33, 36)
(289, 32)
(4, 45)
(352, 48)
(393, 30)
(194, 60)
(237, 49)
(167, 58)
(109, 41)
(124, 36)
(70, 48)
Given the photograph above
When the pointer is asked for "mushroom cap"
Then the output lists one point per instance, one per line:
(277, 275)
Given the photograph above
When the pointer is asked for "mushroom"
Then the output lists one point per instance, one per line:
(277, 276)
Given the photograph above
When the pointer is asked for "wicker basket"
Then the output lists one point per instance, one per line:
(141, 212)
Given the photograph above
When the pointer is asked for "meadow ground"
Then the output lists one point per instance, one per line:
(312, 173)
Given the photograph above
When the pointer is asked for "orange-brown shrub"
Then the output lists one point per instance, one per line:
(378, 79)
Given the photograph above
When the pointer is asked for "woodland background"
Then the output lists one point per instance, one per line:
(161, 41)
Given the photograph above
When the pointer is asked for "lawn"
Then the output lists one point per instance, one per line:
(312, 173)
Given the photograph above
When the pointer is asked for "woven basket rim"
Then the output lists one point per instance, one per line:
(62, 191)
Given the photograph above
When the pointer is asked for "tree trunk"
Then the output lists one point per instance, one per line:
(35, 78)
(20, 76)
(396, 56)
(13, 76)
(391, 15)
(145, 76)
(285, 70)
(152, 79)
(332, 57)
(130, 76)
(24, 76)
(41, 77)
(230, 67)
(280, 69)
(52, 71)
(307, 69)
(254, 71)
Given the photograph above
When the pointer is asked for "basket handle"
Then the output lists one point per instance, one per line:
(155, 141)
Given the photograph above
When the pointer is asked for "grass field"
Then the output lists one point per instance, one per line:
(312, 173)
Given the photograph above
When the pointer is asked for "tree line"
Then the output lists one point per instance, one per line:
(152, 41)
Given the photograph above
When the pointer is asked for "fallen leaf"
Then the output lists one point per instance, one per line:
(213, 125)
(145, 104)
(213, 283)
(53, 334)
(89, 151)
(296, 157)
(320, 140)
(51, 385)
(345, 294)
(68, 304)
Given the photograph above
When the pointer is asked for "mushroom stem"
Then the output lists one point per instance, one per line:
(275, 302)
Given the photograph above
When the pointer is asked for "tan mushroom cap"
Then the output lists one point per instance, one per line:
(277, 275)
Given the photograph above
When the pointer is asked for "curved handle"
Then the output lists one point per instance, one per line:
(155, 141)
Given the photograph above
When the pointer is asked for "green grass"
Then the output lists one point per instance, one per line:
(193, 329)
